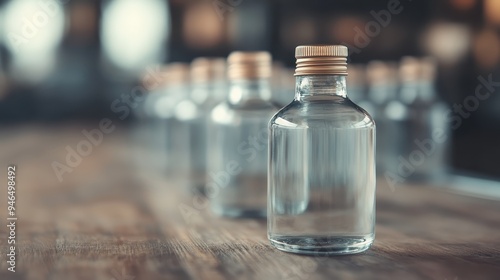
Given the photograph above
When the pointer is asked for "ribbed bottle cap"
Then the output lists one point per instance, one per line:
(321, 60)
(205, 69)
(249, 65)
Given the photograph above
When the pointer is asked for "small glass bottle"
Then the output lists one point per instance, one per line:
(237, 154)
(321, 188)
(386, 109)
(158, 117)
(208, 89)
(426, 126)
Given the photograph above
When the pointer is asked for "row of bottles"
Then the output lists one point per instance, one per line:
(413, 136)
(309, 167)
(208, 129)
(216, 129)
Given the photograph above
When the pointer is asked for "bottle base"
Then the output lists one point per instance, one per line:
(322, 245)
(239, 212)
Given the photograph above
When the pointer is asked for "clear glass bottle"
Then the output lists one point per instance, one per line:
(237, 154)
(426, 119)
(208, 88)
(157, 117)
(321, 188)
(387, 110)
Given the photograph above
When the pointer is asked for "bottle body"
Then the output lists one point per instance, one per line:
(423, 153)
(193, 115)
(156, 126)
(237, 153)
(321, 184)
(190, 145)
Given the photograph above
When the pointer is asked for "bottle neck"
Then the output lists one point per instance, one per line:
(309, 86)
(242, 91)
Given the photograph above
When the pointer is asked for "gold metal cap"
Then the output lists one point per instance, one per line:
(249, 65)
(321, 60)
(205, 69)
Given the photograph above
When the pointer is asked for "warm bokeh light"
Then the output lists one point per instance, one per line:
(202, 27)
(342, 28)
(33, 31)
(298, 31)
(83, 20)
(134, 32)
(463, 5)
(486, 49)
(492, 11)
(448, 42)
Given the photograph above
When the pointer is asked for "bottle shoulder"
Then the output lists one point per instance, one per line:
(330, 113)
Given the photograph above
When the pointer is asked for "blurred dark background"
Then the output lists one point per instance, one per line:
(67, 60)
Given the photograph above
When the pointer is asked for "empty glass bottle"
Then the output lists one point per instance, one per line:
(237, 154)
(207, 89)
(321, 188)
(423, 154)
(157, 118)
(386, 109)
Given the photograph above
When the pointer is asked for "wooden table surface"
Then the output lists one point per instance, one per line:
(111, 218)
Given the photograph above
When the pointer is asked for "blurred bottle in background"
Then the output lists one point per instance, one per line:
(356, 81)
(208, 89)
(191, 113)
(156, 117)
(208, 79)
(237, 155)
(382, 93)
(425, 151)
(282, 83)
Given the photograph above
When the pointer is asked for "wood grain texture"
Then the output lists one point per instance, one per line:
(113, 219)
